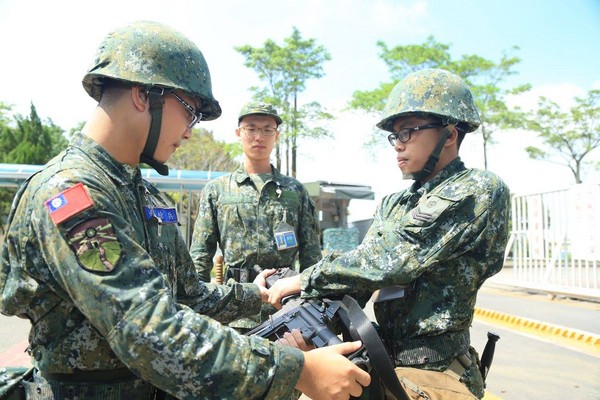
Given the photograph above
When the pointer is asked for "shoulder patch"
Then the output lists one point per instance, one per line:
(69, 202)
(95, 244)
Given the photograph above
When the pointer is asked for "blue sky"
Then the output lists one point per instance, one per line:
(47, 45)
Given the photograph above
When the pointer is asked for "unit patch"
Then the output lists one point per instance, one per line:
(95, 245)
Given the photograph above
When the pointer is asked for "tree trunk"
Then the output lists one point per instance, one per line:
(485, 140)
(287, 155)
(294, 136)
(278, 156)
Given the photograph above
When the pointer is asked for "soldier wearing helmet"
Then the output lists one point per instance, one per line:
(430, 247)
(94, 258)
(258, 217)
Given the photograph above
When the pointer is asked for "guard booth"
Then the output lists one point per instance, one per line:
(332, 201)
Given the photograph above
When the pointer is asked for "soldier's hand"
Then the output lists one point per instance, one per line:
(294, 339)
(283, 287)
(261, 281)
(327, 374)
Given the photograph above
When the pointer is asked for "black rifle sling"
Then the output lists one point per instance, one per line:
(380, 360)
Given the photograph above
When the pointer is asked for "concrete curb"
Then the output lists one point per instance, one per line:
(587, 341)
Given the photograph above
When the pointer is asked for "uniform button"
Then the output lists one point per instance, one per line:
(259, 348)
(262, 351)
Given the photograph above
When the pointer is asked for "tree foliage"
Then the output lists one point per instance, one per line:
(571, 136)
(32, 141)
(202, 152)
(28, 140)
(285, 71)
(483, 76)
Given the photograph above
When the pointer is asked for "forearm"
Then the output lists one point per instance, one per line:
(190, 356)
(202, 252)
(359, 272)
(228, 302)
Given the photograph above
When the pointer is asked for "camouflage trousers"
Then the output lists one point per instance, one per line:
(40, 388)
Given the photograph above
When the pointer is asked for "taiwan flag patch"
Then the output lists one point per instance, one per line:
(68, 203)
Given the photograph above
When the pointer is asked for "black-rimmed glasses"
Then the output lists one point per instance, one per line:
(403, 135)
(194, 115)
(253, 131)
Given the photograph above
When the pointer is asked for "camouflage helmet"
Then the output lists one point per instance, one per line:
(434, 92)
(260, 108)
(152, 54)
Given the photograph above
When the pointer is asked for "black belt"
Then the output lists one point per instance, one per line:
(430, 349)
(91, 376)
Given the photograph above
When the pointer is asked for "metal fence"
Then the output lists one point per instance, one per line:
(555, 241)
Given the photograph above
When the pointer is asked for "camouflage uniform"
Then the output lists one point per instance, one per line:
(111, 288)
(242, 221)
(440, 241)
(94, 258)
(435, 242)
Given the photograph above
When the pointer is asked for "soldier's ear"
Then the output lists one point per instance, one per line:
(453, 138)
(139, 97)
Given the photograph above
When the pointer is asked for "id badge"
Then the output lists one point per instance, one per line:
(285, 237)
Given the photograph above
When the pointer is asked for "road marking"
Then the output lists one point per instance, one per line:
(586, 341)
(490, 396)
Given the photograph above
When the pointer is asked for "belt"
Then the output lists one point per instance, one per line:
(430, 349)
(91, 376)
(458, 366)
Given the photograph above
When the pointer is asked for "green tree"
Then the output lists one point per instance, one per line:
(484, 77)
(202, 152)
(571, 137)
(6, 139)
(285, 71)
(31, 141)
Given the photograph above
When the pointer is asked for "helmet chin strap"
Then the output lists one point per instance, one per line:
(433, 157)
(156, 109)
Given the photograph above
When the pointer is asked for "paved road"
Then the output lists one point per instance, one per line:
(576, 314)
(534, 367)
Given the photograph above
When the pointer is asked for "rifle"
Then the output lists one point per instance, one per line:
(319, 319)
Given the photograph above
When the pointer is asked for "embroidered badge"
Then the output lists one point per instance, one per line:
(68, 203)
(429, 209)
(165, 215)
(96, 245)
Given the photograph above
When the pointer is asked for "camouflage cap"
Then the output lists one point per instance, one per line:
(152, 54)
(260, 108)
(432, 91)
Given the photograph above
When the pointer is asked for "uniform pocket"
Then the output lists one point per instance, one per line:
(423, 220)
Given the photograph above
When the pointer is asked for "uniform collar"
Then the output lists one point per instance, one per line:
(100, 156)
(240, 175)
(452, 168)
